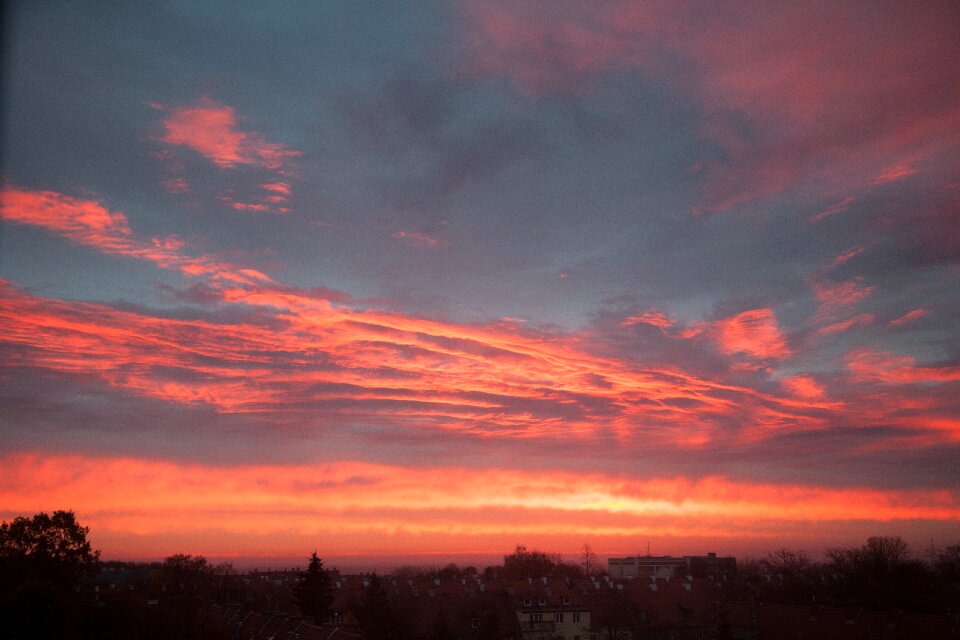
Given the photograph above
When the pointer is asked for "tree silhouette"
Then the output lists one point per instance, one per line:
(186, 580)
(588, 561)
(185, 573)
(41, 560)
(51, 548)
(524, 563)
(314, 593)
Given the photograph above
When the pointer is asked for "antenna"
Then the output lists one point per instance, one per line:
(648, 548)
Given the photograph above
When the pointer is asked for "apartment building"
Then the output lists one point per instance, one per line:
(668, 566)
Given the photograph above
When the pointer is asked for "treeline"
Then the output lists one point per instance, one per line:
(881, 575)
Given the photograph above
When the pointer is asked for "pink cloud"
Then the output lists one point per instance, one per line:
(559, 46)
(83, 221)
(89, 223)
(869, 365)
(401, 369)
(837, 297)
(210, 128)
(861, 320)
(754, 333)
(653, 318)
(908, 317)
(804, 387)
(417, 239)
(176, 185)
(839, 207)
(282, 188)
(276, 195)
(789, 92)
(845, 257)
(690, 332)
(490, 380)
(258, 207)
(892, 174)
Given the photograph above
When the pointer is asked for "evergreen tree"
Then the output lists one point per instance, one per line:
(314, 594)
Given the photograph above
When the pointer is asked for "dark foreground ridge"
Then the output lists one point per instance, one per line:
(52, 585)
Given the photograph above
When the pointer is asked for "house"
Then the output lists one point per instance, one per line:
(553, 621)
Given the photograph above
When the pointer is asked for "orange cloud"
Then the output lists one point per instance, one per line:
(754, 333)
(347, 504)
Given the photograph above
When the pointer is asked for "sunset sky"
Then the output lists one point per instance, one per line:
(431, 279)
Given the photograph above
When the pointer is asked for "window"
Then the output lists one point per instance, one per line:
(474, 623)
(543, 601)
(526, 602)
(558, 617)
(576, 617)
(536, 617)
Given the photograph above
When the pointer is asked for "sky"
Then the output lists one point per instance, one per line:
(432, 279)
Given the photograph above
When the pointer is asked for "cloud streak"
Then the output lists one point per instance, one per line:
(88, 223)
(403, 370)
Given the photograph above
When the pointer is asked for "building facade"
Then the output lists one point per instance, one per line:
(554, 622)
